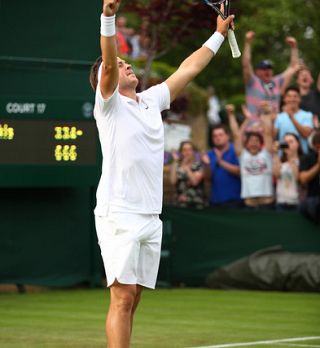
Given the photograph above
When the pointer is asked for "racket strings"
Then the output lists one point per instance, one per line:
(214, 5)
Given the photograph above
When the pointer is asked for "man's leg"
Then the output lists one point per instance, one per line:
(136, 302)
(123, 302)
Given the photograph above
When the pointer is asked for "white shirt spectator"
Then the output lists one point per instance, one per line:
(256, 174)
(287, 186)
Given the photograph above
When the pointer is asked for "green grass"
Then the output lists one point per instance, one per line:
(165, 318)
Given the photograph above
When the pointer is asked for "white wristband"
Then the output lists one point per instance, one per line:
(108, 25)
(214, 42)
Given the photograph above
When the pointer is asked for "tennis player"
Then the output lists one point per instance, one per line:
(129, 195)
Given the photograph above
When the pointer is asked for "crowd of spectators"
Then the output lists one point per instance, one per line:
(271, 160)
(132, 43)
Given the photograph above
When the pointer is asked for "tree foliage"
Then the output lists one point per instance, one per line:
(170, 23)
(178, 28)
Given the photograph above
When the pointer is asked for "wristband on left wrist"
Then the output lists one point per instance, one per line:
(107, 25)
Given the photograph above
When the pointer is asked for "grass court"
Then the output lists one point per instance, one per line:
(166, 318)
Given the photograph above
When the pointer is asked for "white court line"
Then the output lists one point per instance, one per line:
(295, 339)
(299, 345)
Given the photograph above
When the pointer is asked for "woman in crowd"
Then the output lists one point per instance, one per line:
(187, 174)
(286, 172)
(255, 156)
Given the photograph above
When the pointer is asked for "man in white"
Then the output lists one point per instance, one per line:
(129, 196)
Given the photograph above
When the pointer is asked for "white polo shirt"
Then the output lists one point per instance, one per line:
(132, 143)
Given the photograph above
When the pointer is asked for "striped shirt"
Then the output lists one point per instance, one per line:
(258, 91)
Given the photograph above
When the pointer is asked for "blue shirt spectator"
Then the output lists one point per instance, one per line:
(284, 125)
(225, 187)
(293, 119)
(224, 169)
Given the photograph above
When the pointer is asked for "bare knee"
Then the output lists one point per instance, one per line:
(137, 297)
(123, 298)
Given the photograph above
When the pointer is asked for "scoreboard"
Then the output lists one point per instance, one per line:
(47, 143)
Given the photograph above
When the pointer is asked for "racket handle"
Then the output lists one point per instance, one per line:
(233, 44)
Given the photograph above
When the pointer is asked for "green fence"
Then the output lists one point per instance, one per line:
(48, 238)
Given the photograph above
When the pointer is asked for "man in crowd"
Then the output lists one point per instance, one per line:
(223, 170)
(129, 195)
(310, 177)
(310, 98)
(293, 119)
(261, 84)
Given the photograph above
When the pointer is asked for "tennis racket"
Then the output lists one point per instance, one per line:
(215, 4)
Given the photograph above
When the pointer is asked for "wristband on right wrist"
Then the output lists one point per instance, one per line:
(214, 42)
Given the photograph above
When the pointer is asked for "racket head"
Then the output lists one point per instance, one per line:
(215, 4)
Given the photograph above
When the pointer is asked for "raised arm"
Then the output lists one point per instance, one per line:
(294, 64)
(234, 127)
(246, 57)
(110, 71)
(198, 60)
(267, 124)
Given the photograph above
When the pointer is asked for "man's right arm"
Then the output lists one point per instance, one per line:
(246, 57)
(108, 43)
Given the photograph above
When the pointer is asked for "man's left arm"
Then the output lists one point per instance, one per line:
(294, 64)
(198, 60)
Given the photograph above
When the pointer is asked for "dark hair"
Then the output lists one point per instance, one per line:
(220, 126)
(284, 157)
(93, 77)
(316, 138)
(291, 88)
(253, 134)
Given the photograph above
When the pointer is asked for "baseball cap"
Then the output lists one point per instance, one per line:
(265, 64)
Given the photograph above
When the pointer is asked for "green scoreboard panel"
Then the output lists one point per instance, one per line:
(47, 143)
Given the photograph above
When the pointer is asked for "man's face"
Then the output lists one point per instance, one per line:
(304, 78)
(127, 77)
(220, 138)
(292, 99)
(265, 75)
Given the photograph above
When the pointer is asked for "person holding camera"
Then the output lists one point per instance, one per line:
(286, 172)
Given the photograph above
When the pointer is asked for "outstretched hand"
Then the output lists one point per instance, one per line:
(230, 109)
(224, 24)
(292, 42)
(110, 7)
(249, 36)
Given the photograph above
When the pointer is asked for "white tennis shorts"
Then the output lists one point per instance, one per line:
(130, 247)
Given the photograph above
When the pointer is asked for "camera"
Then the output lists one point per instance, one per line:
(283, 146)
